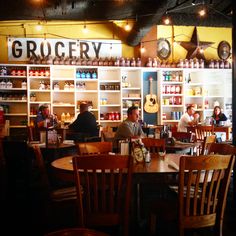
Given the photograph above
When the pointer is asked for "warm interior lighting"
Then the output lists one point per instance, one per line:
(202, 12)
(142, 49)
(127, 26)
(175, 43)
(201, 50)
(85, 29)
(38, 27)
(167, 21)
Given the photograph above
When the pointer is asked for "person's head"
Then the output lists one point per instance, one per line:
(133, 113)
(196, 116)
(217, 111)
(83, 107)
(190, 110)
(44, 109)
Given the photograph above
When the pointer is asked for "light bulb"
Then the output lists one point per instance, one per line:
(127, 27)
(85, 30)
(201, 50)
(142, 50)
(167, 21)
(38, 27)
(202, 12)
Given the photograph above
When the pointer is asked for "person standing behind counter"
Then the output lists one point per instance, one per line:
(130, 127)
(218, 116)
(85, 124)
(190, 118)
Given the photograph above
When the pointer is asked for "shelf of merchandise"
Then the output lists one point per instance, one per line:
(174, 78)
(109, 76)
(212, 83)
(215, 85)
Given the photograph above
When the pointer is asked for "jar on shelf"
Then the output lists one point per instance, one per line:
(138, 62)
(32, 97)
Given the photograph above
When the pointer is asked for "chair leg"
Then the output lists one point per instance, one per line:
(152, 224)
(181, 231)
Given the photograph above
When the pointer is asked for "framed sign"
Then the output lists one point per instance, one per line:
(224, 49)
(163, 48)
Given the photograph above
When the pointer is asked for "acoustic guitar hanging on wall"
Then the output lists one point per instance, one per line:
(151, 105)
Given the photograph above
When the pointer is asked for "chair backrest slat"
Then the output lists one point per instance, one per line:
(203, 188)
(106, 190)
(90, 148)
(154, 145)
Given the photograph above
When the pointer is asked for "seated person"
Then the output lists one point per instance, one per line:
(218, 115)
(188, 119)
(130, 127)
(44, 118)
(85, 124)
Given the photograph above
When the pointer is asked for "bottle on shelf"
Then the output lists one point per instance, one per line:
(63, 117)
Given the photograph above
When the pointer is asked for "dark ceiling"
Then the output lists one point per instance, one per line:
(146, 13)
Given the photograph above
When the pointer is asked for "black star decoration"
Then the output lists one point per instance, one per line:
(195, 46)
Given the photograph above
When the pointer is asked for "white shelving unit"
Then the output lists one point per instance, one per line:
(171, 100)
(111, 90)
(13, 95)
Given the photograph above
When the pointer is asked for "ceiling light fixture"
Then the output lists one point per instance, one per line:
(193, 2)
(202, 12)
(142, 49)
(127, 26)
(166, 19)
(38, 26)
(85, 29)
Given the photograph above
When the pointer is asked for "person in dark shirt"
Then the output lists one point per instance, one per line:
(218, 115)
(85, 124)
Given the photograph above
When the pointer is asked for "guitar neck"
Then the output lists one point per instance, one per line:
(151, 86)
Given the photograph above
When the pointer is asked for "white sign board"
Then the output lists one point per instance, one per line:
(21, 49)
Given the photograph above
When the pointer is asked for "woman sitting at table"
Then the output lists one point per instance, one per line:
(218, 116)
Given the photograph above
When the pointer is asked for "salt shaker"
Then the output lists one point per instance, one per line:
(147, 157)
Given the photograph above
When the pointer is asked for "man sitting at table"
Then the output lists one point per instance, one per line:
(190, 118)
(85, 125)
(130, 127)
(44, 118)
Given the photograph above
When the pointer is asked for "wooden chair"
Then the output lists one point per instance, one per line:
(202, 193)
(222, 148)
(54, 199)
(154, 145)
(105, 197)
(183, 136)
(208, 140)
(202, 131)
(76, 232)
(94, 148)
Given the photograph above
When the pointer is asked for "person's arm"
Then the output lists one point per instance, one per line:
(185, 120)
(223, 117)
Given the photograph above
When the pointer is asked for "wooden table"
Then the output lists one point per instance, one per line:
(63, 167)
(53, 152)
(182, 147)
(224, 129)
(158, 171)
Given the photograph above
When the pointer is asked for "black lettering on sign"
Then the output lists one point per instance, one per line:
(71, 49)
(56, 49)
(97, 49)
(16, 52)
(31, 47)
(42, 46)
(84, 47)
